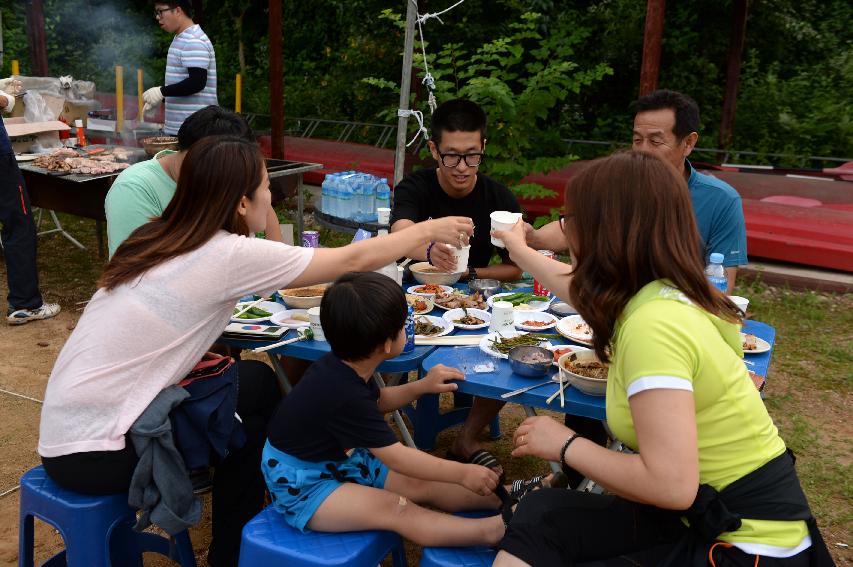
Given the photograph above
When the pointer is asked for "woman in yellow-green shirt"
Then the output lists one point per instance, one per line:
(711, 482)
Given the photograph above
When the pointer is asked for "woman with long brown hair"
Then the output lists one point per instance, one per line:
(164, 298)
(678, 395)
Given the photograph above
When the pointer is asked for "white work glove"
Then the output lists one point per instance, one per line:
(153, 97)
(10, 102)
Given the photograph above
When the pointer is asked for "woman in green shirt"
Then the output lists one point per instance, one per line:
(678, 395)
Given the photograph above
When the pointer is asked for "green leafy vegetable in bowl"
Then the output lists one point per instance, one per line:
(252, 313)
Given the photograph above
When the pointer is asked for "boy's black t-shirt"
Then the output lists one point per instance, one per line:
(331, 409)
(419, 197)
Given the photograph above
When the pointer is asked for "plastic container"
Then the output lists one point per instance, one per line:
(716, 273)
(383, 194)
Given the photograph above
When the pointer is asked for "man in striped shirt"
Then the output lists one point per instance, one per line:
(190, 67)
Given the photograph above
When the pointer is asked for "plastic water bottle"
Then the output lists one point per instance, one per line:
(346, 196)
(383, 194)
(324, 194)
(717, 273)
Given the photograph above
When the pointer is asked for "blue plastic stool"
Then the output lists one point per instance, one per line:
(478, 556)
(97, 530)
(268, 540)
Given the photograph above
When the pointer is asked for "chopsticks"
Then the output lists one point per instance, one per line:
(404, 263)
(525, 389)
(448, 340)
(300, 335)
(249, 306)
(559, 393)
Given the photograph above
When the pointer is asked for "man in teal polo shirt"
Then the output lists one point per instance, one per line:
(144, 190)
(667, 124)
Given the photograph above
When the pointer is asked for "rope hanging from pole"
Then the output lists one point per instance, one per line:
(428, 80)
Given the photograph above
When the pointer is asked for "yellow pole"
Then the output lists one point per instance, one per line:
(119, 98)
(140, 102)
(238, 96)
(15, 69)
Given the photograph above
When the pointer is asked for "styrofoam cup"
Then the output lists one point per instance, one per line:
(314, 322)
(383, 215)
(502, 220)
(462, 258)
(741, 302)
(503, 316)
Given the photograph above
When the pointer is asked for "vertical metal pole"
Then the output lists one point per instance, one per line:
(276, 80)
(652, 40)
(405, 89)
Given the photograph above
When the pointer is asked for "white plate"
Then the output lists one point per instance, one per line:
(522, 316)
(447, 327)
(486, 342)
(270, 306)
(566, 327)
(27, 157)
(445, 288)
(412, 297)
(562, 308)
(453, 314)
(461, 294)
(574, 348)
(532, 306)
(761, 344)
(284, 319)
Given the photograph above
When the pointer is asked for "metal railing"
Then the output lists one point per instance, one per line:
(383, 136)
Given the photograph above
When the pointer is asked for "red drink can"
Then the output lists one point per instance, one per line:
(310, 239)
(538, 288)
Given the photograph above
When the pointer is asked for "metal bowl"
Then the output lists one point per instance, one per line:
(517, 357)
(487, 288)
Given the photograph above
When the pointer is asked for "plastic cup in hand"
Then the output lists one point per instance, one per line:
(503, 220)
(314, 323)
(462, 258)
(383, 215)
(741, 302)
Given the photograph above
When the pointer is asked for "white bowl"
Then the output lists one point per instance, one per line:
(302, 301)
(412, 290)
(591, 386)
(453, 314)
(285, 318)
(268, 306)
(563, 308)
(423, 274)
(520, 317)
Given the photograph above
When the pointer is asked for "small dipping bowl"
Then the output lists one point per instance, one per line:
(487, 288)
(517, 361)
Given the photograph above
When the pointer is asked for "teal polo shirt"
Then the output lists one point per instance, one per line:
(719, 214)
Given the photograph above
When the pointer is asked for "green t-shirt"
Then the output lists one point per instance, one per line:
(662, 340)
(140, 192)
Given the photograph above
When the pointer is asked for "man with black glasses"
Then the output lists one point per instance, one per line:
(456, 188)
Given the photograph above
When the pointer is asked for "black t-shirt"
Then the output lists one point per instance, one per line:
(419, 197)
(331, 409)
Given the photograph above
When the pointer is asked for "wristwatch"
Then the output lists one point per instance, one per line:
(472, 273)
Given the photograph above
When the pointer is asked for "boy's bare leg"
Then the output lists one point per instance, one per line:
(355, 507)
(442, 495)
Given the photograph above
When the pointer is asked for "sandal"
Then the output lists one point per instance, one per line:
(480, 457)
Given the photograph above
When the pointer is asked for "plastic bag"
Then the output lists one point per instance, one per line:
(37, 108)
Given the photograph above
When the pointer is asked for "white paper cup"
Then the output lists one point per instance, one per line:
(503, 316)
(741, 302)
(462, 258)
(383, 215)
(314, 322)
(502, 220)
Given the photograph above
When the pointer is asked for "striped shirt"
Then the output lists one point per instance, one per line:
(190, 48)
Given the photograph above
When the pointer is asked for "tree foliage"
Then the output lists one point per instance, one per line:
(794, 94)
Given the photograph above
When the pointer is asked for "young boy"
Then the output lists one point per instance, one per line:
(333, 464)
